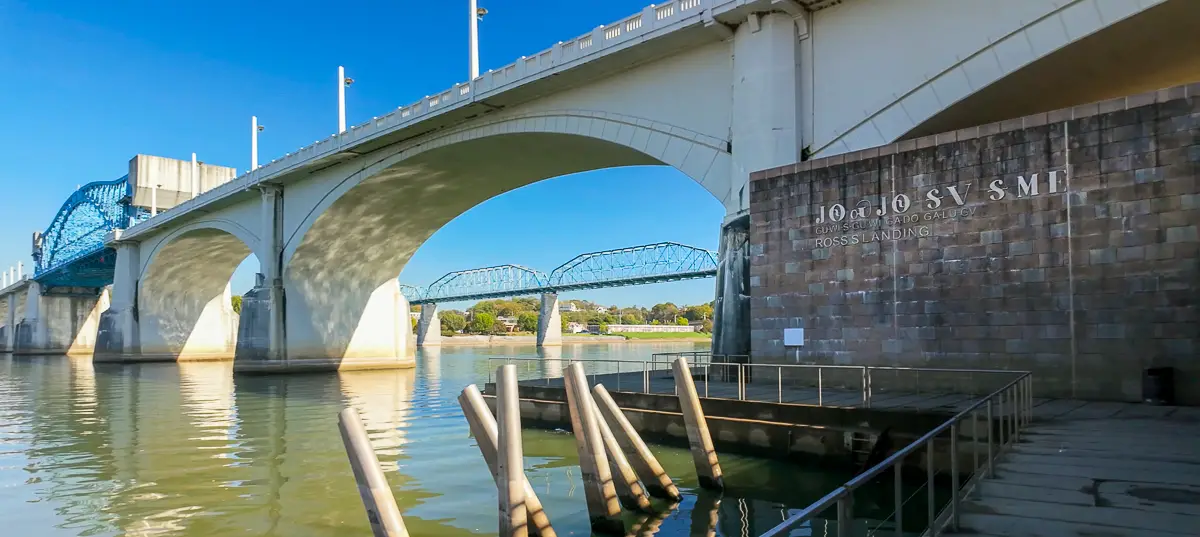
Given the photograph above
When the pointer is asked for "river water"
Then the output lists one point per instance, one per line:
(190, 450)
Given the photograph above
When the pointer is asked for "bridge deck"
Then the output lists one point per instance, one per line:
(1106, 469)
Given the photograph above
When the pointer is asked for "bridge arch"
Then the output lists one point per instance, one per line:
(364, 228)
(1082, 51)
(184, 300)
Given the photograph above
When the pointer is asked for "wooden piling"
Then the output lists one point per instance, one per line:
(510, 459)
(704, 455)
(655, 478)
(376, 495)
(629, 490)
(604, 510)
(484, 428)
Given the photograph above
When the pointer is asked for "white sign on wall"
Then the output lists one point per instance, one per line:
(793, 337)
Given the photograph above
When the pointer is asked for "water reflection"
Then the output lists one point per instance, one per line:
(191, 450)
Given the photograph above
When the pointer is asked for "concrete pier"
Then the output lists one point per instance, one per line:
(62, 320)
(549, 322)
(429, 327)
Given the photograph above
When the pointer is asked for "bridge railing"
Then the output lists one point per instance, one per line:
(652, 19)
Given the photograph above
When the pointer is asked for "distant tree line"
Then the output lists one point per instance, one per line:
(485, 316)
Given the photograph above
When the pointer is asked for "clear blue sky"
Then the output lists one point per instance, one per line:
(87, 85)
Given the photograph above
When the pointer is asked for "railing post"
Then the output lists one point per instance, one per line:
(820, 388)
(1017, 409)
(845, 518)
(974, 441)
(930, 500)
(779, 377)
(1003, 426)
(741, 383)
(646, 377)
(954, 476)
(990, 470)
(898, 493)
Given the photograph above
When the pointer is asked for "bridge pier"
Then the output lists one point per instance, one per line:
(61, 320)
(8, 318)
(549, 322)
(117, 336)
(731, 314)
(429, 326)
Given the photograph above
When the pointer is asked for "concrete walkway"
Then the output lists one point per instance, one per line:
(1097, 469)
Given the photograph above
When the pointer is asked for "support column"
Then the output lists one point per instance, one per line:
(731, 314)
(32, 330)
(118, 334)
(767, 131)
(67, 321)
(261, 335)
(429, 327)
(8, 331)
(549, 322)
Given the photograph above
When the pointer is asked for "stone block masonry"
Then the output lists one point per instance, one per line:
(1063, 243)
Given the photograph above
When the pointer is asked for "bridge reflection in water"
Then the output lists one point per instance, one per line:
(190, 450)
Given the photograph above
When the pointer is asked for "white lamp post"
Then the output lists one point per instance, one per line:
(477, 14)
(343, 83)
(255, 128)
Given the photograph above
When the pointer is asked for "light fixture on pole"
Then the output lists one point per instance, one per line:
(255, 128)
(195, 178)
(477, 14)
(343, 83)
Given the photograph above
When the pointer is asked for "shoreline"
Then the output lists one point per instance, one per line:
(499, 341)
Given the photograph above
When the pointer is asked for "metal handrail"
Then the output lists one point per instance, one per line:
(1008, 410)
(1018, 392)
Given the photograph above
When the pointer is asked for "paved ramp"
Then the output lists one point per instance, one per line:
(1114, 476)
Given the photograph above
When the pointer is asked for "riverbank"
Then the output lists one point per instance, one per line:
(481, 341)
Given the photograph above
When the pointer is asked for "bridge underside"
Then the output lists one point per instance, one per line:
(1150, 50)
(94, 270)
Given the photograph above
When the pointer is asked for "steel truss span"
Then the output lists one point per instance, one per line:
(637, 265)
(71, 251)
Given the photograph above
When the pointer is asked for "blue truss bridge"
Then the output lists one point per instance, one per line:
(636, 265)
(71, 251)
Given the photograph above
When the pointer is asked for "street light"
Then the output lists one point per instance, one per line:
(343, 83)
(476, 14)
(255, 128)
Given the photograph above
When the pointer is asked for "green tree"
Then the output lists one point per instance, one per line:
(453, 321)
(603, 328)
(655, 322)
(707, 326)
(632, 318)
(664, 312)
(237, 304)
(414, 322)
(527, 321)
(698, 313)
(682, 321)
(483, 323)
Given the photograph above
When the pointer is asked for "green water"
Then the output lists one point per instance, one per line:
(191, 450)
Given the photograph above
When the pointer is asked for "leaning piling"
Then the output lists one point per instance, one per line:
(704, 455)
(604, 509)
(485, 430)
(646, 465)
(372, 485)
(510, 465)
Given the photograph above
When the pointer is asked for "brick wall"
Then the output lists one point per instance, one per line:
(1064, 243)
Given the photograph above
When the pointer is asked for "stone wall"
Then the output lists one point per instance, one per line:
(1063, 243)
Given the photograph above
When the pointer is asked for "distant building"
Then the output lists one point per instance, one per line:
(509, 323)
(414, 314)
(569, 307)
(575, 328)
(601, 309)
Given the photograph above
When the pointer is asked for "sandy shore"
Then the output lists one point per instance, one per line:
(479, 341)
